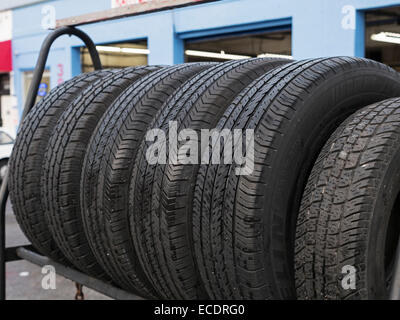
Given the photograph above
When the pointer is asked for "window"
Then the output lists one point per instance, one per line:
(44, 86)
(117, 55)
(239, 46)
(382, 36)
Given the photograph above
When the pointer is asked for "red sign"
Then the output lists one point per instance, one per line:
(5, 56)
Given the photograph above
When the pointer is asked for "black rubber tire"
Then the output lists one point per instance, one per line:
(244, 226)
(62, 167)
(350, 211)
(108, 166)
(160, 194)
(27, 159)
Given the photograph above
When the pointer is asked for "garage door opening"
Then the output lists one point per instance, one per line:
(117, 55)
(233, 47)
(382, 32)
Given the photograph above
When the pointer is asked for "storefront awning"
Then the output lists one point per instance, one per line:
(5, 56)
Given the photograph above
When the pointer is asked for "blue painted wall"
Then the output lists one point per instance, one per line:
(319, 28)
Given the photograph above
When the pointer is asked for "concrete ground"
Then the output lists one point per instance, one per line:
(24, 280)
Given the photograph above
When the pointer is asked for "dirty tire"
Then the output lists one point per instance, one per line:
(244, 225)
(350, 211)
(108, 166)
(27, 160)
(162, 194)
(61, 172)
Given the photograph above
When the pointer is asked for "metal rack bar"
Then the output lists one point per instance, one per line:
(11, 253)
(3, 203)
(76, 276)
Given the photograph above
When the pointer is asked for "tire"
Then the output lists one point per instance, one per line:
(61, 172)
(163, 226)
(350, 212)
(26, 161)
(247, 223)
(107, 168)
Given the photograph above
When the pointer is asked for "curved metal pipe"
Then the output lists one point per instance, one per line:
(44, 53)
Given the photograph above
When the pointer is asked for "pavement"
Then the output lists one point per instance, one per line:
(24, 280)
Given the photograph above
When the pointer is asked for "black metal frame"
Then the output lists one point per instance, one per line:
(27, 252)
